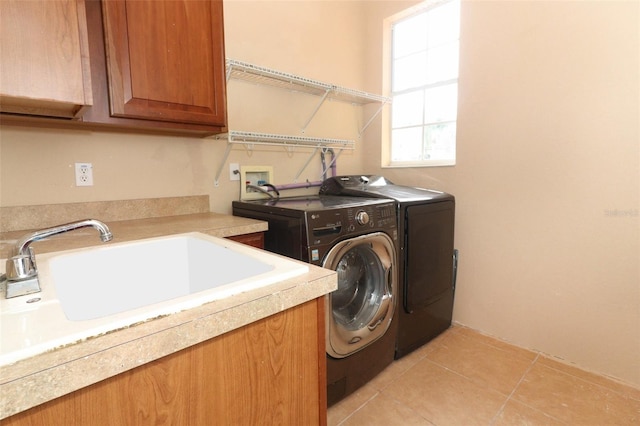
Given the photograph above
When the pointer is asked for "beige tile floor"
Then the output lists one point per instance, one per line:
(466, 378)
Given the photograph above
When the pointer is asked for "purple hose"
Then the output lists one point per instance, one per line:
(307, 184)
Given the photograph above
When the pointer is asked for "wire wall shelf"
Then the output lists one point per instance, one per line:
(269, 77)
(289, 143)
(261, 75)
(250, 138)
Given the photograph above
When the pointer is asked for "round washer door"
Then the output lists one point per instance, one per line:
(360, 310)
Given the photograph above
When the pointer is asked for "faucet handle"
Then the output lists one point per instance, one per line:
(22, 266)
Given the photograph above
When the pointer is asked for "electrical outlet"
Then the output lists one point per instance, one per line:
(234, 171)
(84, 174)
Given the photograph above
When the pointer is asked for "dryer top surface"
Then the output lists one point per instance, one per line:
(379, 187)
(311, 203)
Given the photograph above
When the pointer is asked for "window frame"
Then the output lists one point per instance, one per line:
(388, 59)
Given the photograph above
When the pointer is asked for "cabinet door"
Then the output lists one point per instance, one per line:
(165, 60)
(255, 239)
(44, 59)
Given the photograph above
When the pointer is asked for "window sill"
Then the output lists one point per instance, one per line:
(435, 163)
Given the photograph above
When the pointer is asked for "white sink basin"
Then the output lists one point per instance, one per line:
(107, 280)
(92, 291)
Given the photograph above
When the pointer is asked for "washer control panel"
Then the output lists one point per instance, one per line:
(326, 226)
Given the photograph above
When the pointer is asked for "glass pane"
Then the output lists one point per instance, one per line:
(410, 36)
(442, 63)
(407, 144)
(444, 24)
(441, 103)
(440, 141)
(360, 288)
(410, 71)
(426, 53)
(407, 109)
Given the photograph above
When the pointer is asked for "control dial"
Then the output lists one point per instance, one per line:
(362, 217)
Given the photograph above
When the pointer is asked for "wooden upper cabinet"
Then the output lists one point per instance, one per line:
(44, 58)
(165, 60)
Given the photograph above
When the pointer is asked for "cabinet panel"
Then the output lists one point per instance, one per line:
(165, 60)
(44, 58)
(268, 372)
(255, 239)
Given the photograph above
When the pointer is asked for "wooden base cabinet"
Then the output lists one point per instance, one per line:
(255, 239)
(269, 372)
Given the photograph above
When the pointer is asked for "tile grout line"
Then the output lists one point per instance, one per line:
(380, 390)
(620, 393)
(358, 409)
(501, 409)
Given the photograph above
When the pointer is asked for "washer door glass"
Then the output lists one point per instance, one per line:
(364, 302)
(361, 286)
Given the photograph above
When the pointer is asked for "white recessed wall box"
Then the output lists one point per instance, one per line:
(253, 180)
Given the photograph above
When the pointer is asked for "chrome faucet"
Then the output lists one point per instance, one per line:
(22, 273)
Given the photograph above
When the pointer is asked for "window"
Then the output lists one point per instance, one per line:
(424, 85)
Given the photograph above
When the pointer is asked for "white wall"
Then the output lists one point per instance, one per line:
(548, 177)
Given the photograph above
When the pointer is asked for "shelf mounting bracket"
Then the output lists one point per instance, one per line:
(371, 119)
(315, 111)
(295, 179)
(224, 160)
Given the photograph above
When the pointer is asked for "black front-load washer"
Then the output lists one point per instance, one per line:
(356, 237)
(427, 258)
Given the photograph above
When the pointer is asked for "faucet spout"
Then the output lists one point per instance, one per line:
(22, 245)
(22, 274)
